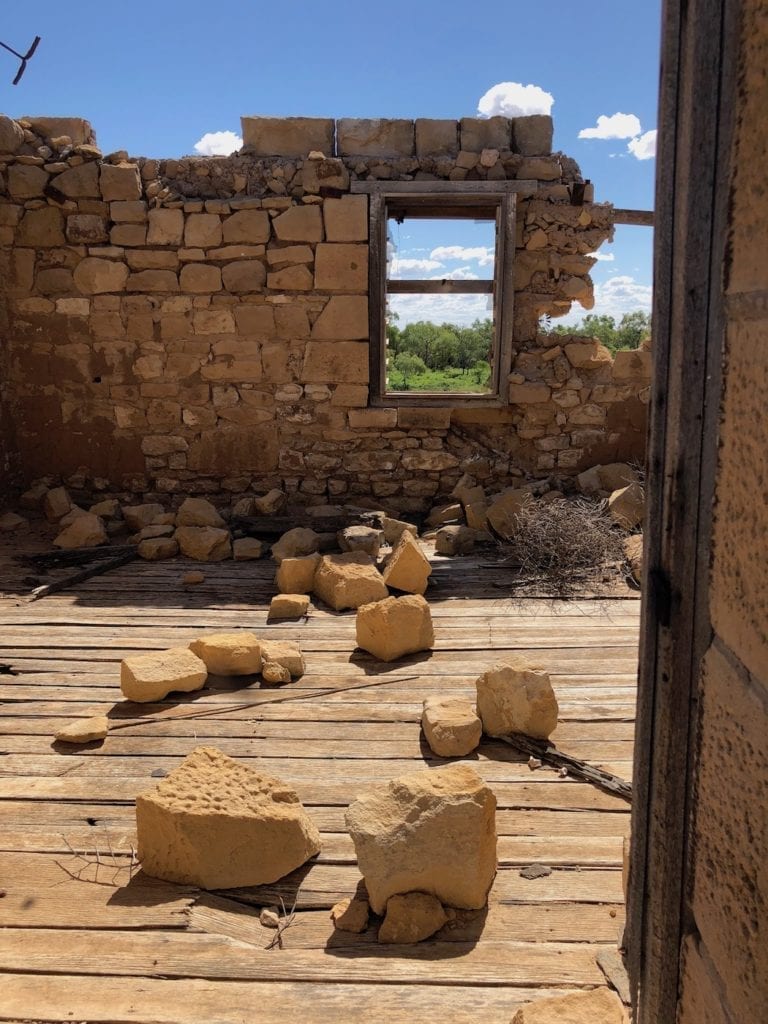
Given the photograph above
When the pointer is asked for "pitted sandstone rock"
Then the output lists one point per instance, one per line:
(285, 653)
(204, 543)
(218, 824)
(229, 654)
(198, 512)
(151, 677)
(395, 626)
(515, 697)
(295, 544)
(412, 917)
(85, 531)
(430, 831)
(451, 726)
(348, 581)
(84, 730)
(297, 575)
(598, 1006)
(407, 568)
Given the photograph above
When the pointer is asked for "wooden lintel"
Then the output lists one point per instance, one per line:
(444, 188)
(642, 217)
(440, 287)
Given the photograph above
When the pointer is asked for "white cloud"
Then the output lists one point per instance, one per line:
(400, 265)
(459, 274)
(513, 99)
(618, 126)
(484, 255)
(622, 294)
(218, 144)
(608, 257)
(644, 146)
(454, 309)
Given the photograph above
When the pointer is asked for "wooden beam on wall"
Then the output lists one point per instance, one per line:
(641, 217)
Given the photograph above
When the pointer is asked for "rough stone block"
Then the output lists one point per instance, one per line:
(633, 365)
(291, 279)
(273, 673)
(202, 230)
(56, 504)
(80, 182)
(288, 136)
(86, 229)
(294, 544)
(166, 227)
(351, 915)
(76, 128)
(375, 137)
(94, 276)
(229, 654)
(198, 512)
(247, 549)
(597, 1006)
(530, 393)
(204, 543)
(411, 917)
(440, 514)
(436, 137)
(155, 549)
(246, 227)
(532, 135)
(299, 224)
(344, 318)
(348, 581)
(346, 219)
(151, 677)
(329, 173)
(297, 575)
(423, 419)
(396, 626)
(285, 653)
(451, 726)
(288, 606)
(331, 362)
(515, 697)
(42, 229)
(430, 831)
(25, 181)
(502, 511)
(588, 355)
(341, 267)
(200, 278)
(407, 568)
(85, 531)
(152, 281)
(84, 730)
(392, 528)
(360, 538)
(454, 540)
(479, 133)
(217, 824)
(120, 181)
(616, 475)
(11, 135)
(539, 168)
(627, 506)
(378, 419)
(139, 516)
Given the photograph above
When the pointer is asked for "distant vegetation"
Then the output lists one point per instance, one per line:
(425, 356)
(630, 332)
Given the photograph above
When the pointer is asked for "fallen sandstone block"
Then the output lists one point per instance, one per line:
(395, 626)
(412, 917)
(154, 549)
(190, 579)
(597, 1006)
(217, 824)
(270, 503)
(139, 516)
(503, 510)
(451, 726)
(407, 568)
(440, 514)
(360, 538)
(204, 543)
(56, 504)
(85, 531)
(297, 575)
(84, 730)
(348, 581)
(627, 506)
(295, 543)
(198, 512)
(633, 552)
(274, 673)
(392, 529)
(288, 606)
(430, 831)
(151, 677)
(11, 521)
(515, 697)
(454, 540)
(247, 549)
(285, 653)
(229, 654)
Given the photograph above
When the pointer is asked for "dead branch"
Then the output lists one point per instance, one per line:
(85, 574)
(549, 754)
(284, 924)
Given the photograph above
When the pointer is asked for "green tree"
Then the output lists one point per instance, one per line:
(408, 365)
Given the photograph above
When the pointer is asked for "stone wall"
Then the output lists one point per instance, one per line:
(201, 324)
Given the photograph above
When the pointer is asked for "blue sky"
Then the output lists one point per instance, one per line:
(155, 79)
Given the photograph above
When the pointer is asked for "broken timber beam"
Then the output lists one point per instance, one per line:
(273, 526)
(105, 565)
(549, 754)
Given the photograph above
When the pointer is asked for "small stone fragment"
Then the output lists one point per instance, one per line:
(247, 549)
(190, 579)
(297, 575)
(269, 918)
(274, 674)
(454, 540)
(107, 509)
(154, 549)
(532, 871)
(229, 654)
(412, 917)
(150, 677)
(198, 512)
(351, 915)
(514, 697)
(295, 543)
(85, 531)
(534, 763)
(84, 730)
(288, 606)
(217, 824)
(440, 514)
(270, 503)
(627, 506)
(139, 516)
(597, 1006)
(407, 568)
(430, 831)
(204, 543)
(394, 627)
(360, 538)
(451, 726)
(285, 653)
(348, 581)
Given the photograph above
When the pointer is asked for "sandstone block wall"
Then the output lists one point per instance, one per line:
(202, 324)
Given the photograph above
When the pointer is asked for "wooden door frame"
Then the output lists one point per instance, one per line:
(696, 123)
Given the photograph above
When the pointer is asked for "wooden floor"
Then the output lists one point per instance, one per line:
(86, 938)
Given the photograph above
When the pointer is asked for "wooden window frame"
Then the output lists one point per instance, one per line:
(443, 199)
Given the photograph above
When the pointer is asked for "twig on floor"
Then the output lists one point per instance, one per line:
(284, 924)
(549, 754)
